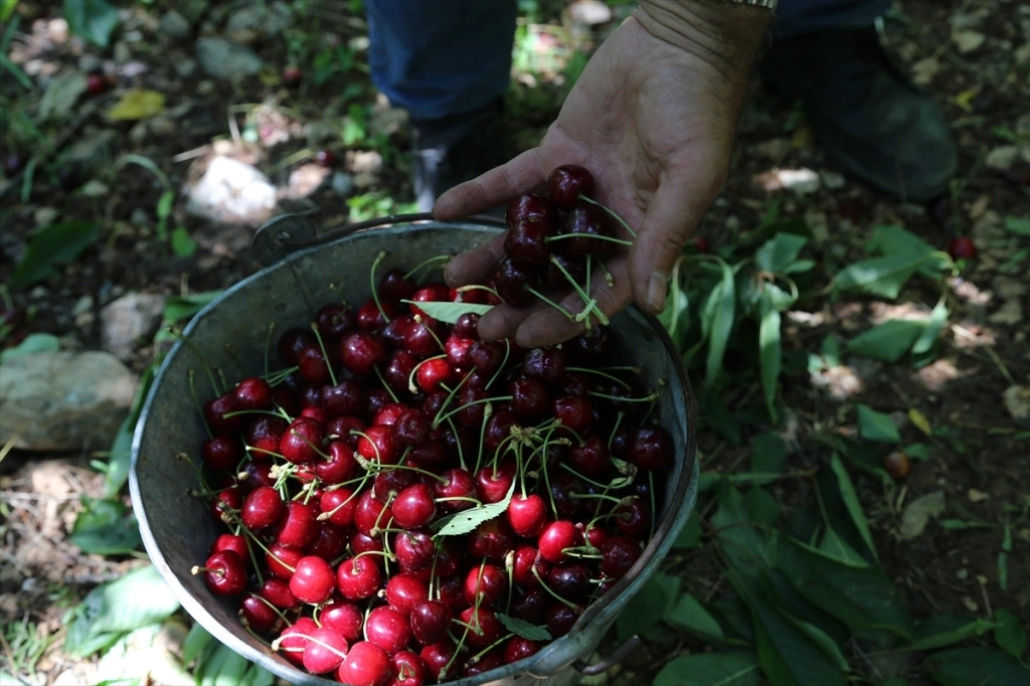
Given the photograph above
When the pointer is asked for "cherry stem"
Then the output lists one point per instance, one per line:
(386, 547)
(547, 477)
(457, 440)
(268, 344)
(500, 398)
(411, 377)
(611, 212)
(583, 477)
(586, 237)
(590, 303)
(451, 393)
(362, 434)
(477, 287)
(385, 468)
(196, 351)
(325, 356)
(615, 429)
(236, 413)
(326, 515)
(582, 556)
(586, 370)
(379, 375)
(372, 279)
(195, 570)
(266, 550)
(276, 378)
(257, 567)
(449, 498)
(507, 354)
(478, 656)
(608, 278)
(654, 514)
(599, 496)
(221, 375)
(278, 642)
(646, 399)
(193, 392)
(370, 552)
(294, 432)
(425, 263)
(272, 607)
(520, 469)
(547, 588)
(550, 302)
(487, 412)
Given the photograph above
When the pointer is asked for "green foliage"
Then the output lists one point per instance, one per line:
(217, 665)
(975, 667)
(889, 341)
(1009, 634)
(93, 20)
(738, 668)
(646, 607)
(105, 527)
(876, 426)
(33, 343)
(55, 244)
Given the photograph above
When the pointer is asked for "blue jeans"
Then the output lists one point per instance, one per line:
(437, 58)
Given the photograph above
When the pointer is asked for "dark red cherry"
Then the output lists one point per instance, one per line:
(544, 364)
(379, 445)
(360, 543)
(571, 582)
(340, 467)
(478, 664)
(486, 356)
(527, 558)
(343, 428)
(301, 441)
(262, 508)
(358, 577)
(633, 518)
(414, 507)
(532, 606)
(404, 591)
(459, 484)
(335, 321)
(518, 648)
(330, 543)
(371, 516)
(224, 573)
(366, 664)
(619, 553)
(429, 621)
(221, 453)
(298, 527)
(962, 248)
(406, 669)
(595, 345)
(277, 592)
(257, 615)
(291, 342)
(498, 428)
(394, 287)
(313, 581)
(484, 585)
(512, 281)
(361, 352)
(555, 538)
(422, 338)
(467, 327)
(437, 657)
(527, 515)
(215, 411)
(389, 483)
(486, 628)
(575, 412)
(529, 398)
(375, 400)
(492, 539)
(566, 183)
(526, 241)
(396, 332)
(253, 393)
(492, 486)
(560, 618)
(530, 206)
(313, 367)
(370, 317)
(651, 447)
(397, 371)
(414, 550)
(555, 277)
(430, 453)
(590, 458)
(263, 436)
(343, 399)
(586, 220)
(575, 384)
(388, 629)
(471, 406)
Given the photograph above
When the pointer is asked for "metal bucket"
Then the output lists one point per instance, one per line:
(178, 529)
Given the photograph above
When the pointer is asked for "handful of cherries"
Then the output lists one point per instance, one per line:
(407, 503)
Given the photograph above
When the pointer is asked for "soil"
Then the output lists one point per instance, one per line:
(979, 461)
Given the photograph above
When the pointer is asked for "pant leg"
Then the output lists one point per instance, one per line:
(797, 17)
(437, 58)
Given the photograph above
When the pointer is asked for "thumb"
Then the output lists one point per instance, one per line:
(672, 215)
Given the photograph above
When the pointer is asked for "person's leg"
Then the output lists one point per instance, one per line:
(448, 63)
(867, 114)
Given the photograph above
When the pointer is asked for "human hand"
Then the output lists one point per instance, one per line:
(652, 117)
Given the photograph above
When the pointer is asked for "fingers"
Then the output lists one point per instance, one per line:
(499, 185)
(476, 265)
(504, 320)
(671, 217)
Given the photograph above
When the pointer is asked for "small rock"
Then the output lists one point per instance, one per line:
(305, 180)
(924, 70)
(122, 52)
(387, 120)
(129, 319)
(800, 181)
(832, 180)
(186, 67)
(590, 12)
(365, 180)
(343, 184)
(970, 605)
(45, 216)
(976, 496)
(1017, 402)
(64, 400)
(1010, 312)
(174, 25)
(919, 512)
(232, 192)
(139, 217)
(1002, 157)
(967, 41)
(260, 18)
(83, 304)
(223, 59)
(161, 126)
(962, 574)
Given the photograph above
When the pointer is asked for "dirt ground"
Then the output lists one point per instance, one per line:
(980, 462)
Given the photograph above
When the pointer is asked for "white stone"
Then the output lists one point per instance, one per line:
(232, 192)
(1017, 402)
(64, 400)
(223, 59)
(174, 25)
(128, 321)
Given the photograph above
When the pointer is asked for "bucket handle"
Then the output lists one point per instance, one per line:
(617, 656)
(287, 233)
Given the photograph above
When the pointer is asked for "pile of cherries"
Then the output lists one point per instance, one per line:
(554, 242)
(407, 503)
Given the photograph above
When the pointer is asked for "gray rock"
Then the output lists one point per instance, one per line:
(186, 67)
(261, 18)
(64, 400)
(343, 184)
(590, 12)
(222, 59)
(232, 192)
(1017, 402)
(174, 25)
(128, 320)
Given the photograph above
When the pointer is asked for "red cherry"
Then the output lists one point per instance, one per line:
(330, 543)
(429, 621)
(224, 573)
(571, 582)
(366, 664)
(512, 281)
(486, 356)
(398, 370)
(339, 505)
(379, 445)
(256, 614)
(227, 500)
(414, 507)
(421, 339)
(358, 577)
(325, 158)
(595, 345)
(341, 465)
(325, 651)
(586, 221)
(484, 586)
(432, 373)
(221, 453)
(253, 393)
(431, 292)
(298, 527)
(590, 458)
(560, 618)
(261, 508)
(483, 663)
(544, 364)
(263, 436)
(467, 326)
(388, 629)
(527, 515)
(529, 398)
(492, 539)
(407, 669)
(555, 538)
(526, 559)
(301, 441)
(282, 560)
(343, 399)
(702, 244)
(575, 412)
(394, 287)
(233, 542)
(361, 352)
(492, 486)
(294, 639)
(388, 484)
(277, 592)
(633, 518)
(215, 411)
(314, 412)
(313, 582)
(566, 183)
(436, 658)
(651, 447)
(292, 76)
(343, 617)
(291, 342)
(404, 591)
(457, 348)
(313, 366)
(518, 648)
(370, 317)
(526, 241)
(371, 515)
(486, 628)
(527, 206)
(96, 84)
(619, 553)
(341, 428)
(414, 550)
(458, 484)
(962, 248)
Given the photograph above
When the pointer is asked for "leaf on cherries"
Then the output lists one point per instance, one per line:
(620, 482)
(449, 312)
(521, 627)
(466, 521)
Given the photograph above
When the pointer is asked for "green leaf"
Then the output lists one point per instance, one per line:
(738, 668)
(137, 599)
(676, 315)
(768, 453)
(466, 521)
(521, 627)
(718, 417)
(840, 550)
(852, 503)
(880, 276)
(121, 448)
(105, 527)
(1018, 225)
(888, 341)
(788, 656)
(184, 307)
(917, 451)
(778, 253)
(876, 426)
(197, 640)
(800, 267)
(718, 318)
(182, 243)
(690, 535)
(761, 506)
(645, 608)
(975, 667)
(56, 244)
(1009, 634)
(688, 614)
(928, 338)
(770, 353)
(823, 640)
(945, 630)
(449, 312)
(93, 20)
(33, 343)
(6, 10)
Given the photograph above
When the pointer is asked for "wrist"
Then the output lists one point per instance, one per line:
(726, 35)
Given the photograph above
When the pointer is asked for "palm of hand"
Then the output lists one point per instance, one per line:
(654, 125)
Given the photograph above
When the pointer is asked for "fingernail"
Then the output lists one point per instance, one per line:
(656, 290)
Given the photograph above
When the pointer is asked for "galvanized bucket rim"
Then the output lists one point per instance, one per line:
(618, 596)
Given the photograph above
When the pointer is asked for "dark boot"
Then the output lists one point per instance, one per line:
(449, 151)
(867, 114)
